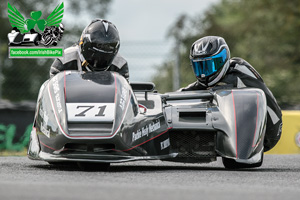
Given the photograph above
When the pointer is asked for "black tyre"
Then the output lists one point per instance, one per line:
(36, 42)
(64, 165)
(232, 164)
(90, 166)
(61, 163)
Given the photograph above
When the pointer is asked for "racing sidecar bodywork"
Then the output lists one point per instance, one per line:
(99, 117)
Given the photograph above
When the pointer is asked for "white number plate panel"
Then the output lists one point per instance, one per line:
(91, 112)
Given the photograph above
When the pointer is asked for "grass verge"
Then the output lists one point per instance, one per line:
(13, 153)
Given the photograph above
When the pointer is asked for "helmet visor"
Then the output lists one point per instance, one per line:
(208, 66)
(105, 47)
(100, 56)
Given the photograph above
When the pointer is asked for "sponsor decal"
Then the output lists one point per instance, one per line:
(279, 130)
(92, 112)
(297, 139)
(200, 49)
(144, 131)
(165, 144)
(56, 94)
(45, 130)
(123, 98)
(136, 136)
(35, 31)
(45, 117)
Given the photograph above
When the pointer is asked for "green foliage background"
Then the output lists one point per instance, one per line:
(263, 32)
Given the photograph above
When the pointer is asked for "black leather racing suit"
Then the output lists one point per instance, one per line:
(239, 75)
(71, 61)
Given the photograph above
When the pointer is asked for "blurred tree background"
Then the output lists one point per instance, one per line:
(263, 32)
(20, 79)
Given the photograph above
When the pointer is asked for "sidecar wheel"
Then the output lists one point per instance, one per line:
(232, 164)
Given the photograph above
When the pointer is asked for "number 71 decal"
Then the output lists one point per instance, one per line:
(91, 112)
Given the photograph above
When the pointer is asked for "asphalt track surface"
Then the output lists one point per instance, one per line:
(278, 178)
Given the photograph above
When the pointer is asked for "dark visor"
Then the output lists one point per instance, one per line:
(105, 48)
(207, 66)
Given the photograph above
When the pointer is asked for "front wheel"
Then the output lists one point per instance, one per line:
(90, 166)
(232, 164)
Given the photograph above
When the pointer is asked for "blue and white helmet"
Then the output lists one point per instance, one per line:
(209, 57)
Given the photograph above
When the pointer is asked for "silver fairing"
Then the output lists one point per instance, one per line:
(95, 117)
(238, 116)
(101, 118)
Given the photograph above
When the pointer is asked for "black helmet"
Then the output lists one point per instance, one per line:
(99, 44)
(210, 59)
